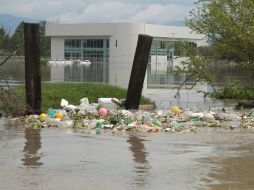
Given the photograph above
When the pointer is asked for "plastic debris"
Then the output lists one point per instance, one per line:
(228, 116)
(84, 105)
(103, 111)
(108, 103)
(52, 113)
(64, 103)
(176, 126)
(175, 110)
(208, 117)
(198, 115)
(251, 114)
(42, 116)
(71, 107)
(157, 123)
(94, 116)
(84, 102)
(59, 115)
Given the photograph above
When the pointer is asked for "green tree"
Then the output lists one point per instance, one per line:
(229, 25)
(195, 67)
(2, 36)
(44, 41)
(18, 39)
(5, 40)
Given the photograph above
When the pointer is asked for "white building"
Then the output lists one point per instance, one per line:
(111, 47)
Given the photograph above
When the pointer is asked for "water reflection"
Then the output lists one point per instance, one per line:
(222, 74)
(15, 70)
(158, 75)
(32, 145)
(96, 72)
(141, 167)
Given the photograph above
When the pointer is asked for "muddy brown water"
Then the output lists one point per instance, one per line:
(57, 158)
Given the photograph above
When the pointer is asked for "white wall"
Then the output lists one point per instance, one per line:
(126, 35)
(170, 31)
(79, 29)
(57, 48)
(121, 57)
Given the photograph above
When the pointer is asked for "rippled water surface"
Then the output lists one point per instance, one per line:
(56, 158)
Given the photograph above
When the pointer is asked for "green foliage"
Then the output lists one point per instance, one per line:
(229, 28)
(18, 39)
(235, 93)
(229, 25)
(52, 93)
(10, 43)
(11, 104)
(195, 66)
(5, 40)
(44, 41)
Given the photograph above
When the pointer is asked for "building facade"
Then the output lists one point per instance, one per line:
(111, 47)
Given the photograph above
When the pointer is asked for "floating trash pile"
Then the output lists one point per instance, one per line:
(107, 114)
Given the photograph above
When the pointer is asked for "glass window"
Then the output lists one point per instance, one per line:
(67, 56)
(89, 43)
(97, 43)
(67, 43)
(84, 43)
(72, 43)
(75, 55)
(94, 50)
(100, 43)
(162, 45)
(78, 43)
(107, 43)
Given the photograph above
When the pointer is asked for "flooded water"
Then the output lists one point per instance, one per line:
(56, 158)
(223, 73)
(165, 98)
(15, 70)
(160, 84)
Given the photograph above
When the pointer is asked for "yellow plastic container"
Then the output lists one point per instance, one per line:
(175, 110)
(42, 116)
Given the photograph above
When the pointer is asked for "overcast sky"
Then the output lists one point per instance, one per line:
(81, 11)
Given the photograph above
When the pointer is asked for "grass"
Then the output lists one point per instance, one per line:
(52, 93)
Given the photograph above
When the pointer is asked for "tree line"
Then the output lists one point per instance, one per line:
(9, 43)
